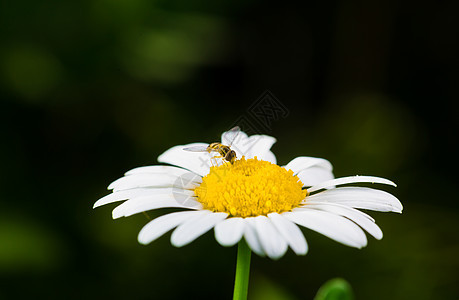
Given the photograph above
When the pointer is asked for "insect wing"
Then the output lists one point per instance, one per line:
(196, 149)
(231, 135)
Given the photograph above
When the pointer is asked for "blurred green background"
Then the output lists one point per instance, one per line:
(91, 89)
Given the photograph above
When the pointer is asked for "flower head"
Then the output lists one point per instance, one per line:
(252, 198)
(250, 188)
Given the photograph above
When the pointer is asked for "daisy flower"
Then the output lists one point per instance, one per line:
(251, 199)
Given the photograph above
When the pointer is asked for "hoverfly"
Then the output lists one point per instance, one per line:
(225, 152)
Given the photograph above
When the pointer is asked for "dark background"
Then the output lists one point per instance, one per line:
(91, 89)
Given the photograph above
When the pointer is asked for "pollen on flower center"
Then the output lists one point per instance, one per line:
(249, 188)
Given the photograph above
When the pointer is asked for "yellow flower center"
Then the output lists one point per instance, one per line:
(250, 188)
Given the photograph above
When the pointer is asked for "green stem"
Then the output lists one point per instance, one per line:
(241, 284)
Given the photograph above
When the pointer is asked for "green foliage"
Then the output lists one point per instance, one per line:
(27, 246)
(30, 71)
(264, 288)
(335, 289)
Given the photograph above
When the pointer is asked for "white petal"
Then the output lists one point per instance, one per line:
(197, 162)
(291, 233)
(157, 169)
(268, 156)
(194, 228)
(358, 217)
(359, 197)
(255, 145)
(159, 226)
(146, 203)
(314, 175)
(304, 162)
(230, 231)
(258, 145)
(188, 180)
(251, 237)
(350, 179)
(142, 180)
(335, 227)
(227, 138)
(133, 193)
(271, 240)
